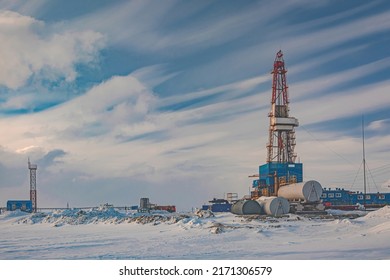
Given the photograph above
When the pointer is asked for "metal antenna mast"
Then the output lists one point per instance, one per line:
(281, 144)
(33, 185)
(364, 165)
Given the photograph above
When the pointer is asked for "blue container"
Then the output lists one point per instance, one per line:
(206, 207)
(218, 207)
(223, 207)
(23, 205)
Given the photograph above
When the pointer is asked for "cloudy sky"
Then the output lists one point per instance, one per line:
(117, 100)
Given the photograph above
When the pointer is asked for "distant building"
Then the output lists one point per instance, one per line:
(23, 205)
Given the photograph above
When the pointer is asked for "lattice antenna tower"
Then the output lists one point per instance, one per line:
(33, 184)
(281, 144)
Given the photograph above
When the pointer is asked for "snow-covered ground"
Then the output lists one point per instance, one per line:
(110, 234)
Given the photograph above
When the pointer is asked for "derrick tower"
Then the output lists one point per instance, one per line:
(281, 143)
(33, 185)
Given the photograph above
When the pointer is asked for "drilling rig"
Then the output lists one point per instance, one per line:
(281, 143)
(281, 175)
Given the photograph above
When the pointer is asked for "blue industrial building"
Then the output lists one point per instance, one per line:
(23, 205)
(284, 172)
(341, 197)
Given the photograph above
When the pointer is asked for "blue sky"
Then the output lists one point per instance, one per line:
(117, 100)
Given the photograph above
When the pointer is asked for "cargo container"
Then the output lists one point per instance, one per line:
(23, 205)
(219, 205)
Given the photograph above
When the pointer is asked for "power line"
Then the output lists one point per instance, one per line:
(369, 171)
(376, 171)
(357, 174)
(322, 143)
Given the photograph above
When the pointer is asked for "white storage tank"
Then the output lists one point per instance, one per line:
(246, 207)
(275, 206)
(309, 191)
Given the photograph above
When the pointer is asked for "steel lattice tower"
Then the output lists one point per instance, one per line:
(281, 144)
(33, 184)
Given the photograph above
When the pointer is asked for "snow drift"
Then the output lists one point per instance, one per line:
(112, 234)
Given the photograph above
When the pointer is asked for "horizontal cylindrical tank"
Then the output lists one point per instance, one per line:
(275, 206)
(309, 191)
(246, 207)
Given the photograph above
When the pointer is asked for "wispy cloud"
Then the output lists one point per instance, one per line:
(134, 24)
(31, 51)
(23, 7)
(181, 94)
(303, 45)
(228, 91)
(357, 101)
(380, 125)
(312, 88)
(335, 35)
(153, 76)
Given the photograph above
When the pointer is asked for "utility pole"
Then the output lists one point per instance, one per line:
(364, 165)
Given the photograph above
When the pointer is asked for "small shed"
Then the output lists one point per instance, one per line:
(23, 205)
